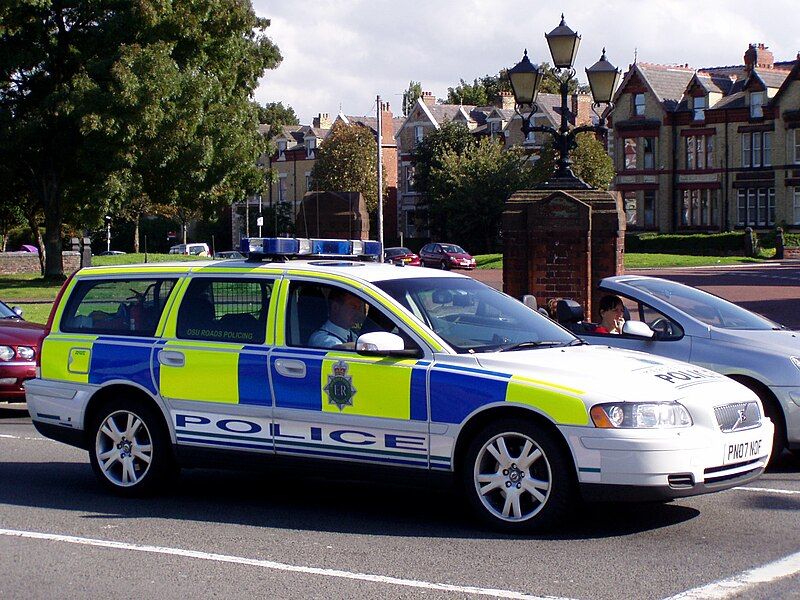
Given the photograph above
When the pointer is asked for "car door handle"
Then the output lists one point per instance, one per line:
(290, 368)
(170, 358)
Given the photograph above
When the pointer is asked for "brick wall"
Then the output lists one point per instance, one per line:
(13, 263)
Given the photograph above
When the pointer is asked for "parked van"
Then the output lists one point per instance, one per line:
(198, 249)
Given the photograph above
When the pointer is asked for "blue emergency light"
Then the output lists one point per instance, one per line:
(283, 248)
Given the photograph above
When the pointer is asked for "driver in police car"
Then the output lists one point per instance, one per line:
(346, 313)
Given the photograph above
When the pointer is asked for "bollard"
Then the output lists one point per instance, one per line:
(779, 243)
(86, 252)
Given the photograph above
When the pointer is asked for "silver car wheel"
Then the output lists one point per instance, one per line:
(124, 448)
(512, 477)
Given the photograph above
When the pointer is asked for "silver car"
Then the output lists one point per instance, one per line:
(697, 327)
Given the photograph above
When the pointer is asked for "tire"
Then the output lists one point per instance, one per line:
(444, 266)
(499, 461)
(129, 447)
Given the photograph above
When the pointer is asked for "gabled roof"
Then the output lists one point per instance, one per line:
(667, 82)
(793, 75)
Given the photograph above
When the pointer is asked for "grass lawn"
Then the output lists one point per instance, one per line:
(643, 261)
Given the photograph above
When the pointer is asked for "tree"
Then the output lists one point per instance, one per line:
(428, 156)
(106, 102)
(474, 94)
(471, 187)
(347, 161)
(276, 115)
(410, 96)
(590, 161)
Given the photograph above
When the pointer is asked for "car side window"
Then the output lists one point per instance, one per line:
(225, 310)
(327, 316)
(119, 307)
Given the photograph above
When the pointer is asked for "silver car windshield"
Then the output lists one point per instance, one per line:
(472, 317)
(711, 310)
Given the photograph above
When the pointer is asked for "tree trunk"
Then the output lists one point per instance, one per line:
(36, 234)
(53, 219)
(136, 234)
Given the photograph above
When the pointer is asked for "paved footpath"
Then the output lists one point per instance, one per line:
(771, 289)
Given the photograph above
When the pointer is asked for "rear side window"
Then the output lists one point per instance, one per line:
(118, 307)
(225, 310)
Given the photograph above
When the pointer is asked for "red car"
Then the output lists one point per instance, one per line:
(19, 347)
(446, 256)
(400, 254)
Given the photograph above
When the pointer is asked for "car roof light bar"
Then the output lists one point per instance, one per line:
(278, 249)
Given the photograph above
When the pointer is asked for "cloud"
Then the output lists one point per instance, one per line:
(348, 51)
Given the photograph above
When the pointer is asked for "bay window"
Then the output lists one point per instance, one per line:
(699, 208)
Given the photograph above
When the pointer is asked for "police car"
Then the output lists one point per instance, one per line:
(154, 366)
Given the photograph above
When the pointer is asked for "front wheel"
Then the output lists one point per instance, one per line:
(130, 451)
(444, 266)
(517, 478)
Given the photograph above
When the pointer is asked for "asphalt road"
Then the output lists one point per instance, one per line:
(289, 534)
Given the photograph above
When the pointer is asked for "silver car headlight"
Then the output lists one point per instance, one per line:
(25, 352)
(795, 360)
(6, 353)
(641, 415)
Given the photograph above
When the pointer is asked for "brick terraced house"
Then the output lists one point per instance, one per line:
(712, 149)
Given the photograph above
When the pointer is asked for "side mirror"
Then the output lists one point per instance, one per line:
(529, 300)
(441, 296)
(383, 343)
(637, 329)
(17, 310)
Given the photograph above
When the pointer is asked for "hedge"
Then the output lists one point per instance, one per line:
(698, 244)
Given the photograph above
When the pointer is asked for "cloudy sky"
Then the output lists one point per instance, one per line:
(342, 53)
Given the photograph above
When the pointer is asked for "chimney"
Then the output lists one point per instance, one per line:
(387, 123)
(758, 56)
(581, 107)
(428, 98)
(323, 121)
(505, 101)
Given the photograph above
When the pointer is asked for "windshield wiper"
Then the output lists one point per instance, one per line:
(528, 344)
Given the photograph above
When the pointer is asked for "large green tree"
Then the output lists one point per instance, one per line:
(470, 189)
(277, 115)
(590, 161)
(484, 90)
(410, 96)
(347, 161)
(104, 103)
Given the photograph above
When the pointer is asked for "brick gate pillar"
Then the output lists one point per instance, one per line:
(561, 243)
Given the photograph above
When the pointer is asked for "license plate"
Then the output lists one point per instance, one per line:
(407, 260)
(743, 449)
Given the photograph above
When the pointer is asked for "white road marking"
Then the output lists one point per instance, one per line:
(733, 586)
(20, 437)
(268, 564)
(768, 490)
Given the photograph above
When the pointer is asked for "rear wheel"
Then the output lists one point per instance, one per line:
(517, 477)
(130, 449)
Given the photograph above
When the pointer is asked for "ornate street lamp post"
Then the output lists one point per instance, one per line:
(526, 78)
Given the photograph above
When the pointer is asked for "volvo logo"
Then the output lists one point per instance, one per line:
(742, 418)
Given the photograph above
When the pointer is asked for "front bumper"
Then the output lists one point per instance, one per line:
(648, 465)
(12, 378)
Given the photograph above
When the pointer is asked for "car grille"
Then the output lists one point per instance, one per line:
(738, 417)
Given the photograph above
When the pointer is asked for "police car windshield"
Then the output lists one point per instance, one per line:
(472, 317)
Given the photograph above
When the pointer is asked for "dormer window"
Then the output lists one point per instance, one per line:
(756, 105)
(495, 127)
(638, 105)
(419, 133)
(311, 145)
(699, 105)
(281, 149)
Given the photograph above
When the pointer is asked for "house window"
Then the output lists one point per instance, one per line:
(710, 151)
(796, 206)
(282, 189)
(796, 146)
(308, 181)
(649, 209)
(495, 127)
(757, 207)
(629, 153)
(419, 133)
(756, 105)
(699, 105)
(649, 152)
(699, 208)
(690, 162)
(629, 200)
(530, 138)
(409, 179)
(638, 105)
(311, 145)
(281, 149)
(757, 149)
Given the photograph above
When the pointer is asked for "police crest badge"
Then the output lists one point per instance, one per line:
(340, 388)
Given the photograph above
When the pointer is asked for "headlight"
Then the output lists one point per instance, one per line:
(641, 415)
(6, 353)
(25, 352)
(795, 360)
